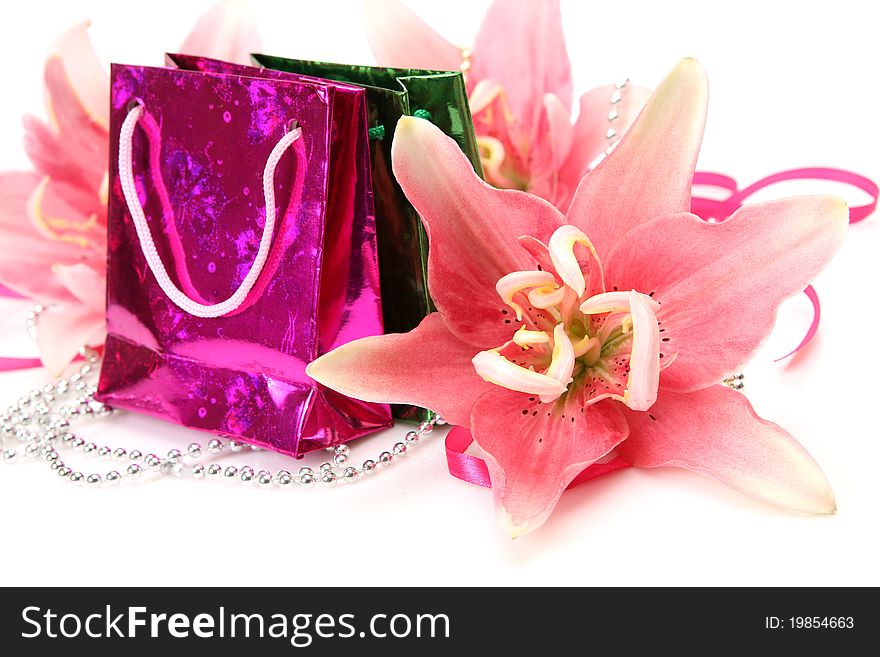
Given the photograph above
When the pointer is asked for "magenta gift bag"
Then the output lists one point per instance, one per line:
(241, 246)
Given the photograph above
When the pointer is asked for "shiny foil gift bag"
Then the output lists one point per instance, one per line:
(241, 246)
(439, 96)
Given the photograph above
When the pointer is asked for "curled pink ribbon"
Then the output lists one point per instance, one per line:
(721, 209)
(6, 292)
(473, 469)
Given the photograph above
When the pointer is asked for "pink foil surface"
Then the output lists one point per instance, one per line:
(199, 155)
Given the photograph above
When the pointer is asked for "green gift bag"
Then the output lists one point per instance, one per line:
(439, 96)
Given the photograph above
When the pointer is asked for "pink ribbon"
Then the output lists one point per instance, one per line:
(473, 469)
(12, 364)
(721, 209)
(6, 292)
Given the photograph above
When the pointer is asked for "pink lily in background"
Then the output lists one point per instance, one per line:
(563, 339)
(520, 87)
(53, 220)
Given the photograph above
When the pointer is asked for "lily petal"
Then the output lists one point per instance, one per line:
(55, 159)
(380, 369)
(716, 432)
(720, 285)
(77, 147)
(485, 93)
(87, 78)
(63, 330)
(227, 31)
(521, 45)
(56, 219)
(650, 172)
(534, 450)
(472, 228)
(549, 152)
(538, 250)
(85, 283)
(399, 38)
(26, 265)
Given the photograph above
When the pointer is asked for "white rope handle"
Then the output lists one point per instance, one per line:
(180, 299)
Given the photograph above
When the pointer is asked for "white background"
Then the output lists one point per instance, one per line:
(793, 84)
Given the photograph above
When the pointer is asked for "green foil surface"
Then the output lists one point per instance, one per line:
(402, 241)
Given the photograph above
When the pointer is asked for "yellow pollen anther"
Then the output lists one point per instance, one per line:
(562, 362)
(614, 302)
(495, 368)
(561, 248)
(546, 297)
(526, 338)
(492, 153)
(512, 284)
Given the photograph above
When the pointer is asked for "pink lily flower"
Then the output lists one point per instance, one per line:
(519, 81)
(564, 339)
(53, 220)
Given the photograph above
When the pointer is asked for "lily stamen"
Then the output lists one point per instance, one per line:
(526, 338)
(546, 297)
(495, 368)
(512, 284)
(618, 353)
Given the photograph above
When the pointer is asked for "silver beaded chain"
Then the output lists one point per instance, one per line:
(38, 427)
(33, 318)
(612, 134)
(41, 419)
